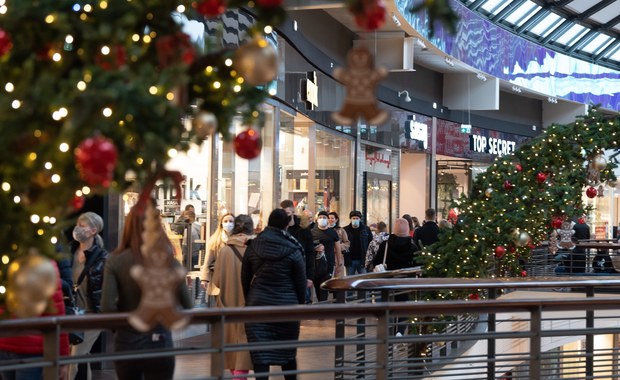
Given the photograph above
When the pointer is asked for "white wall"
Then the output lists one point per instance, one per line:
(414, 179)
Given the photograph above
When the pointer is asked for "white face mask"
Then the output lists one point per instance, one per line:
(322, 223)
(228, 226)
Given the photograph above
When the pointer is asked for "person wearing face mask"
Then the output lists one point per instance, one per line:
(327, 239)
(360, 236)
(88, 264)
(214, 245)
(343, 260)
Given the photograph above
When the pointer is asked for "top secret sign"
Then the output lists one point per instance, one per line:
(491, 145)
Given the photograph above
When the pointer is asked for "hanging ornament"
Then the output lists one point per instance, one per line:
(599, 162)
(157, 279)
(500, 251)
(591, 192)
(553, 241)
(114, 60)
(360, 79)
(557, 222)
(5, 42)
(77, 202)
(488, 192)
(523, 273)
(204, 124)
(368, 14)
(522, 239)
(600, 191)
(95, 159)
(247, 144)
(32, 280)
(257, 61)
(541, 177)
(518, 167)
(474, 296)
(508, 185)
(175, 48)
(210, 8)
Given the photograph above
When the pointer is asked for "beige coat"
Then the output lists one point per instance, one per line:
(227, 277)
(339, 270)
(206, 272)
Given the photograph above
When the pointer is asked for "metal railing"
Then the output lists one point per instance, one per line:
(504, 338)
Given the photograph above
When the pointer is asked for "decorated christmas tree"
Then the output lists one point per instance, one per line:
(523, 197)
(99, 95)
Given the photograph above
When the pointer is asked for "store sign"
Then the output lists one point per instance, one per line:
(491, 145)
(189, 190)
(377, 160)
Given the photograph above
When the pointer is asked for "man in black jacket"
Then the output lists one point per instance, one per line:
(429, 232)
(360, 236)
(304, 237)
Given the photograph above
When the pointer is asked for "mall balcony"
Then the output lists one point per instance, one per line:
(545, 327)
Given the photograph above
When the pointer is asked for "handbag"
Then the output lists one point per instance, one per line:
(382, 267)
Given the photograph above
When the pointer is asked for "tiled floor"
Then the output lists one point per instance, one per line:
(196, 367)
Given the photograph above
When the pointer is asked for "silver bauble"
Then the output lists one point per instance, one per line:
(205, 125)
(256, 61)
(488, 192)
(32, 280)
(599, 162)
(523, 239)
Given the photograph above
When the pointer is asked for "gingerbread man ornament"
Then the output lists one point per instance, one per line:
(158, 280)
(360, 80)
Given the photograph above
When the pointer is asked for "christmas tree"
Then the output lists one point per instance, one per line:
(523, 197)
(99, 95)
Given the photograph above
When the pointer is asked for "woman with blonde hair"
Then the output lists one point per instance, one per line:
(215, 243)
(88, 263)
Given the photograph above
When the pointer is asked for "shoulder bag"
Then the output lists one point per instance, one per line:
(382, 267)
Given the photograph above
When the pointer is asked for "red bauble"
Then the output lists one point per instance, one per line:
(172, 48)
(372, 16)
(269, 3)
(541, 177)
(211, 8)
(5, 43)
(523, 273)
(581, 220)
(474, 296)
(511, 249)
(77, 202)
(508, 185)
(96, 159)
(518, 167)
(500, 251)
(248, 144)
(557, 222)
(591, 192)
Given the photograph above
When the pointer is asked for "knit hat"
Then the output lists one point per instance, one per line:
(355, 213)
(323, 213)
(401, 227)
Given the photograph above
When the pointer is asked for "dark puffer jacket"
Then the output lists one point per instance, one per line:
(400, 252)
(273, 273)
(94, 276)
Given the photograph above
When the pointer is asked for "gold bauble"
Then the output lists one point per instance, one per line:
(488, 192)
(32, 280)
(205, 125)
(257, 61)
(523, 239)
(599, 162)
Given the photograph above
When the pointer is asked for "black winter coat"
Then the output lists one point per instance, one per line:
(273, 273)
(400, 252)
(94, 275)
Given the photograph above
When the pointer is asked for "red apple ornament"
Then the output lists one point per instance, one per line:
(96, 159)
(248, 144)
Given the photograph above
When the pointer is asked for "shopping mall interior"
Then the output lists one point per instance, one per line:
(500, 115)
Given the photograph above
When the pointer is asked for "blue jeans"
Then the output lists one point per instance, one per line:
(356, 266)
(21, 374)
